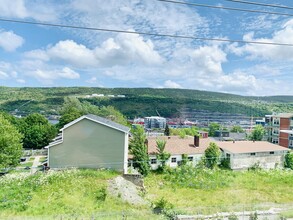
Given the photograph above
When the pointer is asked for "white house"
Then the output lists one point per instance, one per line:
(245, 154)
(193, 147)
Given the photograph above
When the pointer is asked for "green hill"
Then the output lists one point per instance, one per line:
(142, 101)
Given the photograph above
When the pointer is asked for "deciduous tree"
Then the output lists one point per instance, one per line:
(10, 144)
(257, 133)
(138, 149)
(162, 155)
(212, 155)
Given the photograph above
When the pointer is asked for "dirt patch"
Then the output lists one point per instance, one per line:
(126, 190)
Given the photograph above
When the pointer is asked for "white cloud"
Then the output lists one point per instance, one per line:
(25, 9)
(47, 76)
(171, 84)
(268, 52)
(123, 50)
(14, 8)
(10, 41)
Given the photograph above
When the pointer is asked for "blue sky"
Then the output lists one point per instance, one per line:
(33, 55)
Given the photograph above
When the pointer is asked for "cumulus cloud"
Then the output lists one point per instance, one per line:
(10, 41)
(123, 50)
(267, 52)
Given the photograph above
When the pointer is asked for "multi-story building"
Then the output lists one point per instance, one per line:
(278, 128)
(154, 122)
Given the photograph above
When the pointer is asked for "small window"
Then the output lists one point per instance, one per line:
(173, 160)
(190, 158)
(153, 161)
(272, 152)
(252, 154)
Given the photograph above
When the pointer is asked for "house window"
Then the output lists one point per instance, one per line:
(252, 154)
(153, 161)
(228, 156)
(190, 158)
(272, 152)
(173, 160)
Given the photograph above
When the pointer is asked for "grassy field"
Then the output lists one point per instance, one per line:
(82, 194)
(220, 191)
(66, 194)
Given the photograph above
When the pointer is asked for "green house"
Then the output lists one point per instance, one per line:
(90, 142)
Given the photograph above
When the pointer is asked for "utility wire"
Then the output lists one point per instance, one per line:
(145, 33)
(261, 4)
(226, 8)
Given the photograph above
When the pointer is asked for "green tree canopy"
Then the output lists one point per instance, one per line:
(212, 155)
(213, 127)
(237, 128)
(138, 149)
(72, 109)
(37, 131)
(257, 133)
(10, 144)
(162, 155)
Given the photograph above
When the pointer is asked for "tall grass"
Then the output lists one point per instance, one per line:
(209, 191)
(69, 193)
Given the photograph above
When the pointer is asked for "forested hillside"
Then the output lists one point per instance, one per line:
(141, 101)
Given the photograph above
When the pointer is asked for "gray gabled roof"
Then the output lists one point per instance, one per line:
(100, 120)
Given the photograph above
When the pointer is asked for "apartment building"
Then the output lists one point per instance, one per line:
(154, 122)
(279, 129)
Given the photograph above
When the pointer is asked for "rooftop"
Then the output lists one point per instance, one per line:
(176, 145)
(249, 147)
(99, 120)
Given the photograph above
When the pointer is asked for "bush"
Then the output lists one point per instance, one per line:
(161, 205)
(225, 163)
(255, 167)
(289, 160)
(101, 194)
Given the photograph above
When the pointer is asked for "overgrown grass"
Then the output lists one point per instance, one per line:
(26, 164)
(64, 193)
(82, 194)
(205, 191)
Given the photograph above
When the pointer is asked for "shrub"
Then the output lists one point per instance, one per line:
(225, 163)
(289, 160)
(101, 194)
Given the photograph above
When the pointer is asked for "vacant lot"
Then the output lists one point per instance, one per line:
(82, 193)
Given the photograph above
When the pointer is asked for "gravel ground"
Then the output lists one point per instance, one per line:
(126, 190)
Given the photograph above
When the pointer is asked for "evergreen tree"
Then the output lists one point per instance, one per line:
(167, 130)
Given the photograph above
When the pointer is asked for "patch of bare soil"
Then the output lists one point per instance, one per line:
(126, 190)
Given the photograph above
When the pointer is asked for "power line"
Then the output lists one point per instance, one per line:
(261, 4)
(226, 8)
(145, 33)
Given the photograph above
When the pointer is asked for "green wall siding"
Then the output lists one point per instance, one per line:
(88, 144)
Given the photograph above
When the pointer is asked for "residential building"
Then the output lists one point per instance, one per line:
(154, 122)
(192, 147)
(274, 124)
(90, 142)
(245, 154)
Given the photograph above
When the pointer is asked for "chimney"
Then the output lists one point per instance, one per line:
(196, 141)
